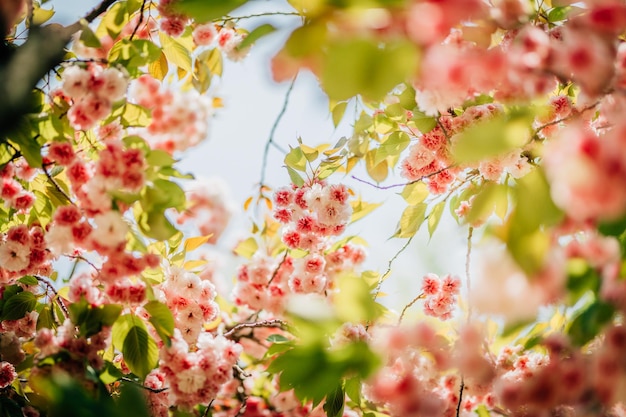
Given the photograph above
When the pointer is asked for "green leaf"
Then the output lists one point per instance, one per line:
(354, 302)
(140, 351)
(423, 122)
(88, 38)
(296, 159)
(256, 34)
(311, 368)
(90, 320)
(527, 239)
(120, 329)
(205, 10)
(9, 408)
(175, 52)
(482, 411)
(18, 305)
(492, 137)
(164, 194)
(41, 16)
(295, 178)
(485, 201)
(162, 320)
(361, 209)
(411, 220)
(353, 389)
(45, 318)
(155, 225)
(334, 402)
(159, 68)
(113, 20)
(590, 322)
(415, 193)
(393, 145)
(277, 338)
(214, 61)
(110, 373)
(378, 171)
(338, 111)
(362, 66)
(28, 280)
(435, 216)
(135, 116)
(581, 278)
(160, 158)
(247, 248)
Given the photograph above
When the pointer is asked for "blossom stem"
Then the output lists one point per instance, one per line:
(57, 298)
(270, 139)
(468, 256)
(406, 307)
(267, 323)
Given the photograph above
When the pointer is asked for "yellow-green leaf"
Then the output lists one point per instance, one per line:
(379, 171)
(338, 111)
(175, 52)
(361, 208)
(194, 243)
(435, 216)
(296, 159)
(41, 16)
(415, 193)
(159, 68)
(247, 248)
(411, 220)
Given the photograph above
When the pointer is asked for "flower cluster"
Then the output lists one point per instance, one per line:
(312, 213)
(23, 251)
(12, 192)
(440, 295)
(92, 92)
(430, 160)
(179, 119)
(191, 300)
(210, 208)
(226, 38)
(196, 377)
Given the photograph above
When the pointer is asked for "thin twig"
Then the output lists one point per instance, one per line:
(458, 405)
(571, 116)
(58, 298)
(250, 16)
(141, 11)
(277, 268)
(404, 184)
(208, 408)
(270, 139)
(267, 323)
(406, 307)
(391, 261)
(56, 184)
(82, 258)
(152, 390)
(468, 256)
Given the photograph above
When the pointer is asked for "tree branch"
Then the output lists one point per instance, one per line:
(267, 323)
(22, 68)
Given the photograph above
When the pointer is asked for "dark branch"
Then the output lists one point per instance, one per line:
(22, 68)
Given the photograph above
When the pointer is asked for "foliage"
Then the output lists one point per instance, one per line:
(504, 116)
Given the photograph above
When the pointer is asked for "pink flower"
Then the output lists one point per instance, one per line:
(7, 374)
(430, 284)
(204, 34)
